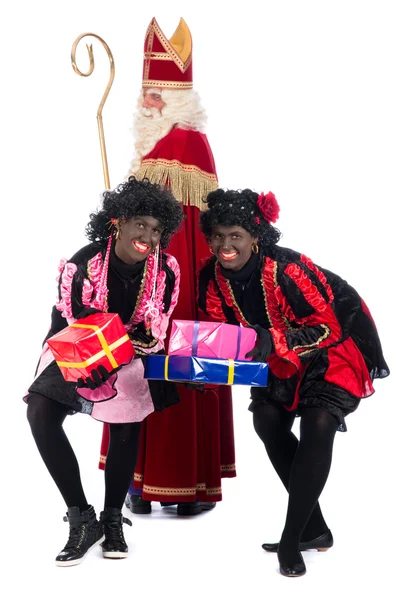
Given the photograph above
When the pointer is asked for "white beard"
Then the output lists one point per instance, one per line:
(150, 125)
(182, 107)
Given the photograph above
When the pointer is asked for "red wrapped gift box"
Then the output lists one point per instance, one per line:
(99, 339)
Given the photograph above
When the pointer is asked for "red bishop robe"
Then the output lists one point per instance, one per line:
(185, 450)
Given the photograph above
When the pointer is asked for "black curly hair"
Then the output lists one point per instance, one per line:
(230, 208)
(136, 198)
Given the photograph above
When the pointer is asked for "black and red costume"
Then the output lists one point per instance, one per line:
(327, 350)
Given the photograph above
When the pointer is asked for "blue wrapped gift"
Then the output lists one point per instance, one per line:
(206, 370)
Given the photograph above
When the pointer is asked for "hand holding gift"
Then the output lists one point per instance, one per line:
(98, 340)
(204, 353)
(264, 346)
(97, 377)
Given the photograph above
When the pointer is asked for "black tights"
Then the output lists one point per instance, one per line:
(303, 466)
(46, 419)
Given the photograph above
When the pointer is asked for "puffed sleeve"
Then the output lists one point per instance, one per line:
(75, 289)
(306, 302)
(209, 299)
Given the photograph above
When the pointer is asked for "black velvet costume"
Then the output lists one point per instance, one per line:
(123, 282)
(327, 350)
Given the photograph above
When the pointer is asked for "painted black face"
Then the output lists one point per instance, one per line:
(232, 246)
(138, 237)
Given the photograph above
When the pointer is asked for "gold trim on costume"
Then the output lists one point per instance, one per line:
(232, 295)
(213, 491)
(171, 491)
(189, 184)
(140, 294)
(317, 343)
(89, 270)
(176, 163)
(143, 345)
(275, 274)
(225, 468)
(265, 299)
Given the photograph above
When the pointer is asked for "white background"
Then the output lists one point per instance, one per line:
(303, 99)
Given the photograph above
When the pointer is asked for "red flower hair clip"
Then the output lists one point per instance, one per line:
(269, 207)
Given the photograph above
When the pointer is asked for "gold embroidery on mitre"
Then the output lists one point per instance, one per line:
(175, 85)
(177, 49)
(158, 56)
(189, 184)
(148, 52)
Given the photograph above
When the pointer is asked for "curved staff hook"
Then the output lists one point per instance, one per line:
(104, 98)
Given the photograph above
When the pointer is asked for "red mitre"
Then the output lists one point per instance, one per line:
(168, 63)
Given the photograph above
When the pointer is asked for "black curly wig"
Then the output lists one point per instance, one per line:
(136, 198)
(229, 208)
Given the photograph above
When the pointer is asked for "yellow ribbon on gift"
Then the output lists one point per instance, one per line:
(231, 370)
(107, 349)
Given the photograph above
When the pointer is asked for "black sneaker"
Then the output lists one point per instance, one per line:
(114, 545)
(85, 533)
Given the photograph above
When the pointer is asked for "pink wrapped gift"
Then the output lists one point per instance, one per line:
(211, 340)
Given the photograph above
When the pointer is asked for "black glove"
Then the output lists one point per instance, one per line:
(264, 346)
(97, 378)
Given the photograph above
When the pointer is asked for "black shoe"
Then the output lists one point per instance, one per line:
(137, 505)
(114, 545)
(322, 543)
(186, 509)
(294, 568)
(85, 533)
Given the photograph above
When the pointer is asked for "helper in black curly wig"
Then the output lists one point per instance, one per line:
(136, 198)
(244, 208)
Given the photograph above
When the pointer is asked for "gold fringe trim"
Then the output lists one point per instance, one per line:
(189, 184)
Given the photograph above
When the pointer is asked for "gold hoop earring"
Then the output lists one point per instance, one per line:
(210, 249)
(117, 231)
(254, 248)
